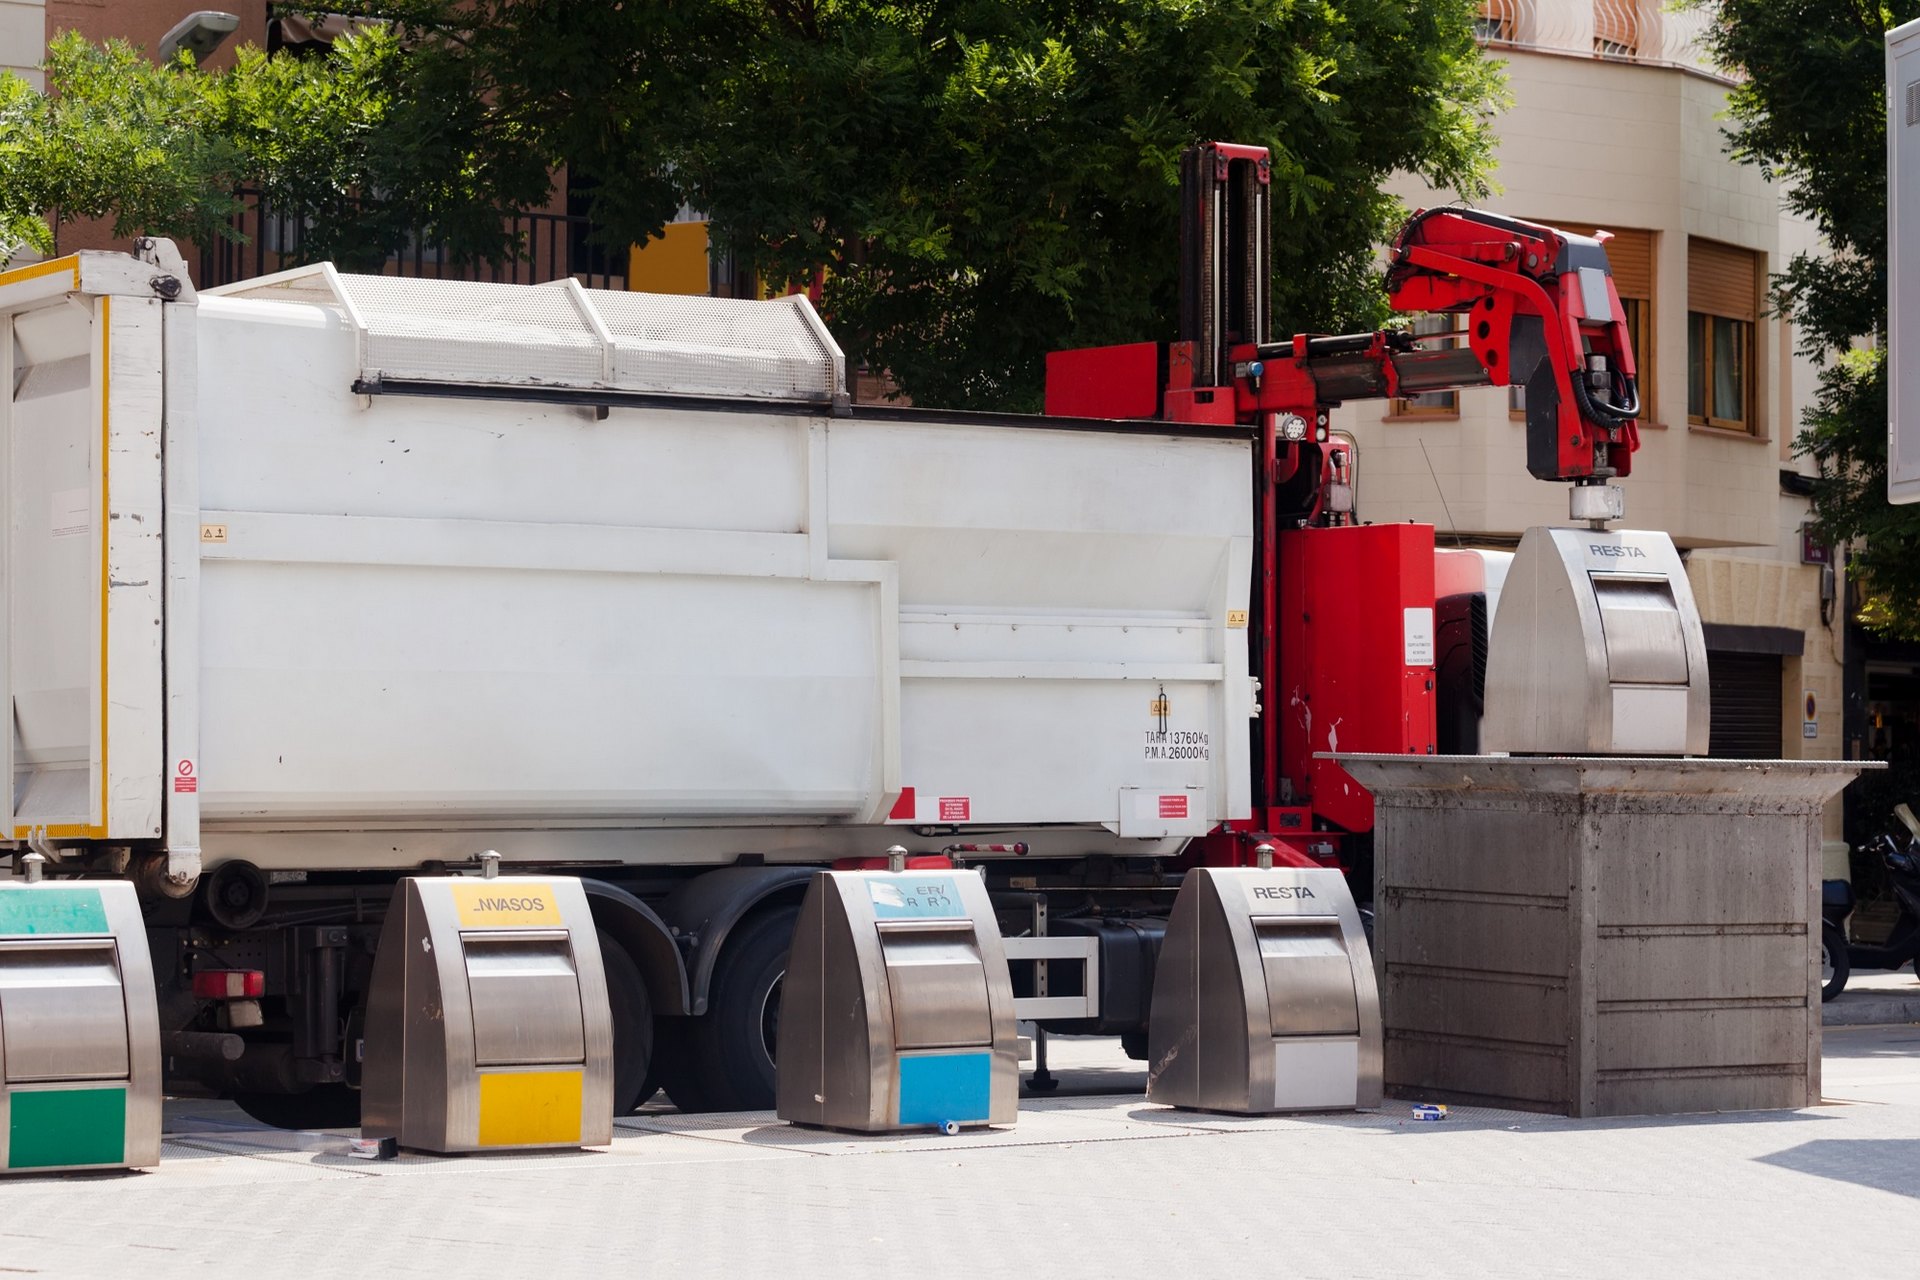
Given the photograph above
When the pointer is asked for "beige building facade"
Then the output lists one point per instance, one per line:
(23, 39)
(1616, 126)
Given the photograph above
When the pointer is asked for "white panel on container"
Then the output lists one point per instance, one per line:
(52, 574)
(416, 692)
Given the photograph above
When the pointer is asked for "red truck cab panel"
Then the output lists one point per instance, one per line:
(1356, 657)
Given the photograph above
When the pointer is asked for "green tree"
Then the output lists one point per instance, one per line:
(362, 147)
(1811, 112)
(983, 182)
(978, 182)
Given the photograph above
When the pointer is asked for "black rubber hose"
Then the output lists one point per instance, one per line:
(1606, 414)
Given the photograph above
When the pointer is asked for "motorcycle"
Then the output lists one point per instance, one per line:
(1838, 957)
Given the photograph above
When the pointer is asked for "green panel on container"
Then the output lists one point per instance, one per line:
(53, 910)
(54, 1127)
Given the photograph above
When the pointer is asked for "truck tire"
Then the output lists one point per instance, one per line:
(633, 1037)
(728, 1052)
(325, 1106)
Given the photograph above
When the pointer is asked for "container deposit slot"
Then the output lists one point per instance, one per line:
(1640, 619)
(938, 985)
(63, 1011)
(1309, 976)
(525, 994)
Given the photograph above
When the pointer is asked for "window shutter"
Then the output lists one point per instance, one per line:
(1721, 280)
(1630, 254)
(1616, 23)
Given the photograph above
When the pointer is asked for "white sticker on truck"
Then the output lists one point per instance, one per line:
(71, 512)
(1418, 630)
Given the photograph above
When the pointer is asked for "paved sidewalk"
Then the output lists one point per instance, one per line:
(1875, 997)
(1083, 1185)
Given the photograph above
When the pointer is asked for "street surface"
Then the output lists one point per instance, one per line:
(1085, 1184)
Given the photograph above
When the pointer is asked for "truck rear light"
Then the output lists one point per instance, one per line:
(229, 984)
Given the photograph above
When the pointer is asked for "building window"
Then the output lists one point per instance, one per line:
(1630, 257)
(1496, 21)
(1616, 28)
(1435, 332)
(1722, 304)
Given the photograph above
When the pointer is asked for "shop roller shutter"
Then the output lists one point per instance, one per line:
(1746, 705)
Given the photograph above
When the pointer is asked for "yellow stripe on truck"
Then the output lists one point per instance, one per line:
(70, 263)
(106, 528)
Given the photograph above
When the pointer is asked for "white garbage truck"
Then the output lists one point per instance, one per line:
(322, 579)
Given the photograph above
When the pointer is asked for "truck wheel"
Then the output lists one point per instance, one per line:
(325, 1106)
(729, 1051)
(632, 1028)
(1834, 964)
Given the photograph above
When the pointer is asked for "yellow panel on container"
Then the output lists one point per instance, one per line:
(496, 904)
(530, 1108)
(675, 263)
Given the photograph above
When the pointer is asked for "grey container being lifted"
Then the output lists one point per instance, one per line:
(1599, 936)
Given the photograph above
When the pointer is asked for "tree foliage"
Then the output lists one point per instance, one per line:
(983, 182)
(1811, 112)
(975, 182)
(362, 147)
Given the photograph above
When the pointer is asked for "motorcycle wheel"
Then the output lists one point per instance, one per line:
(1833, 962)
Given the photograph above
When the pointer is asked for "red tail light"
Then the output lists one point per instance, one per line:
(229, 984)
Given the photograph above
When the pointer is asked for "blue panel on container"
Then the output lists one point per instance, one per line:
(938, 1087)
(910, 895)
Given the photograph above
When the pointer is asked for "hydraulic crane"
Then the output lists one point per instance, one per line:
(1536, 308)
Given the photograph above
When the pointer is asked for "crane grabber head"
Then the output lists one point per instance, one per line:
(1541, 313)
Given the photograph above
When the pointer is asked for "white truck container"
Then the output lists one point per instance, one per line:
(255, 614)
(334, 577)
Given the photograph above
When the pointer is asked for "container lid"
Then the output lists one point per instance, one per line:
(472, 333)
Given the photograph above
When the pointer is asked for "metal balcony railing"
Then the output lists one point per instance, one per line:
(552, 246)
(1644, 31)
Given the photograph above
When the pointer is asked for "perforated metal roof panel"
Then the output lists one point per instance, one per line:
(470, 333)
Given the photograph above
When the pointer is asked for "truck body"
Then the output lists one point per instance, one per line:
(367, 631)
(320, 580)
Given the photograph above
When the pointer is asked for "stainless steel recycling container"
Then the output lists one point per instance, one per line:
(1263, 996)
(487, 1025)
(897, 1009)
(79, 1029)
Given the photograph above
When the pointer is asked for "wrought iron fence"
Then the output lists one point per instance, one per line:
(550, 246)
(1646, 31)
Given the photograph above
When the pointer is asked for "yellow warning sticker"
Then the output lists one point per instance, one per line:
(531, 1108)
(492, 904)
(1236, 617)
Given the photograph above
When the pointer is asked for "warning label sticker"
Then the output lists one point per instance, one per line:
(488, 904)
(956, 808)
(1173, 806)
(1177, 744)
(185, 781)
(1417, 628)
